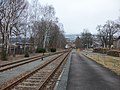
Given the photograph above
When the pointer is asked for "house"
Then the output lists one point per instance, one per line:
(116, 43)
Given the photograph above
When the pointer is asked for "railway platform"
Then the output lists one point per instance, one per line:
(81, 73)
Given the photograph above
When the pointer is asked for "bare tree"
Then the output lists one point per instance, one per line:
(45, 27)
(39, 27)
(54, 35)
(78, 42)
(48, 16)
(102, 35)
(10, 12)
(61, 42)
(86, 39)
(106, 33)
(34, 18)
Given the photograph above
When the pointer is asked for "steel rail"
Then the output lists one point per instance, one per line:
(51, 74)
(22, 62)
(9, 86)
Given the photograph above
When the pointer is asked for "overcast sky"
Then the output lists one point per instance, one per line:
(79, 14)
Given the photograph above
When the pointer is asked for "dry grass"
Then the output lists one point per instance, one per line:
(16, 58)
(110, 62)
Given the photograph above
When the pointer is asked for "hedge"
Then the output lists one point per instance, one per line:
(26, 54)
(53, 49)
(101, 50)
(40, 50)
(114, 53)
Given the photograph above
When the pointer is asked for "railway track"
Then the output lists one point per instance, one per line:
(22, 62)
(40, 77)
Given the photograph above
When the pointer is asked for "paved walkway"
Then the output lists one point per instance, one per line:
(85, 74)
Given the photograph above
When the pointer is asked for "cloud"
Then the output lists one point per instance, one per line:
(79, 14)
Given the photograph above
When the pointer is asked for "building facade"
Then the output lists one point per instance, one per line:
(116, 43)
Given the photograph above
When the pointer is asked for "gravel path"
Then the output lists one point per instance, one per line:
(9, 74)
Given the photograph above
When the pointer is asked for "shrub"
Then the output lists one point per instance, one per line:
(53, 49)
(26, 54)
(96, 50)
(40, 50)
(101, 50)
(4, 55)
(114, 53)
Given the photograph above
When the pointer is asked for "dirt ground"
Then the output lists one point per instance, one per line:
(16, 58)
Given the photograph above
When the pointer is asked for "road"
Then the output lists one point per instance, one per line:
(86, 74)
